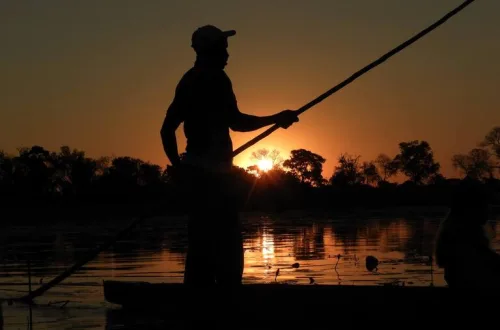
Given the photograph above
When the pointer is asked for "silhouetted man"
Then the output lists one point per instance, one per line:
(204, 101)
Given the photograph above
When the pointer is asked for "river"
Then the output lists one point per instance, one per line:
(329, 249)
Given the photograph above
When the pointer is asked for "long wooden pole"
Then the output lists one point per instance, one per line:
(357, 74)
(41, 290)
(89, 257)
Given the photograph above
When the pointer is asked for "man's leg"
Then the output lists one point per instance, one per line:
(199, 268)
(229, 251)
(229, 243)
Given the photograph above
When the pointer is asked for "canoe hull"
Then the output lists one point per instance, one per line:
(310, 298)
(280, 303)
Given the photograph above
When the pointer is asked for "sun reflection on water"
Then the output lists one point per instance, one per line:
(267, 241)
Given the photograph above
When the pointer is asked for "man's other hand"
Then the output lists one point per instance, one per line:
(286, 118)
(174, 172)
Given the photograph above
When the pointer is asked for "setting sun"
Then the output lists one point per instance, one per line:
(265, 165)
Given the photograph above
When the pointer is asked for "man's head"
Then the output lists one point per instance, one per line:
(210, 43)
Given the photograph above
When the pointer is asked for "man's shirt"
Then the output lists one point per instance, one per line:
(205, 102)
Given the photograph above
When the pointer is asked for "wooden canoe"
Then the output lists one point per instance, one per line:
(296, 301)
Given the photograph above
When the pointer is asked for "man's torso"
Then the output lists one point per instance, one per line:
(207, 100)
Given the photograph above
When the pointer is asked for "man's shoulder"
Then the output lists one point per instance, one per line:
(189, 79)
(206, 75)
(189, 75)
(207, 80)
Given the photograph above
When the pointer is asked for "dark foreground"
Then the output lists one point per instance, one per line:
(161, 306)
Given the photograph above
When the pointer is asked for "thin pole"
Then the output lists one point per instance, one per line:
(90, 256)
(357, 74)
(29, 275)
(30, 319)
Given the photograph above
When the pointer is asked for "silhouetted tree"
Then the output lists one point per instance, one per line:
(416, 161)
(348, 172)
(273, 156)
(33, 170)
(278, 176)
(242, 185)
(36, 172)
(277, 189)
(437, 178)
(124, 174)
(386, 166)
(477, 164)
(6, 168)
(102, 166)
(254, 169)
(492, 141)
(149, 174)
(74, 171)
(370, 173)
(306, 166)
(3, 162)
(126, 166)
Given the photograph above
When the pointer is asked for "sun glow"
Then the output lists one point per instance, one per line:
(265, 165)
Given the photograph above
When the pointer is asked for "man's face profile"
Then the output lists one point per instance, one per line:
(220, 52)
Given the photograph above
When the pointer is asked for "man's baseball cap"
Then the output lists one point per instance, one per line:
(208, 35)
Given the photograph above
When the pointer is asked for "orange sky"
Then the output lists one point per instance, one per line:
(99, 76)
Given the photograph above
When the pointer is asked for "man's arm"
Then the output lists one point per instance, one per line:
(172, 120)
(242, 122)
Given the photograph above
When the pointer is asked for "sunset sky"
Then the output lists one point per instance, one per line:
(99, 75)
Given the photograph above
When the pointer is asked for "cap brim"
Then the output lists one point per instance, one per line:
(229, 33)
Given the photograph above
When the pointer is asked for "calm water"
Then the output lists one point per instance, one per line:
(156, 253)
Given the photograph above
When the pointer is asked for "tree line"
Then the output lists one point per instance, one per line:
(36, 176)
